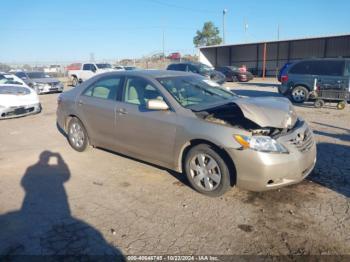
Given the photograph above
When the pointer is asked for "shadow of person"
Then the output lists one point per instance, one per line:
(44, 225)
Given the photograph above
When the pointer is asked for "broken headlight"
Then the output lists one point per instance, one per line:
(261, 143)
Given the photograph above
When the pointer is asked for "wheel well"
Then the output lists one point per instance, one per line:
(68, 118)
(222, 152)
(303, 85)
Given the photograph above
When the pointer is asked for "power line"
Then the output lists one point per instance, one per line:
(96, 28)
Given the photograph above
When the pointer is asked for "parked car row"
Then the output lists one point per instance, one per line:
(218, 74)
(41, 82)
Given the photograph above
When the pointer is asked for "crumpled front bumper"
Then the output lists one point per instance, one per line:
(19, 111)
(258, 171)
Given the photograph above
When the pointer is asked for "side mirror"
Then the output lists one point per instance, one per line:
(157, 104)
(93, 69)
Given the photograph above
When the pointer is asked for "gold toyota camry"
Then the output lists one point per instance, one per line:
(189, 124)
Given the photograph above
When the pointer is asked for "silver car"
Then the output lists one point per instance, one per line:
(189, 124)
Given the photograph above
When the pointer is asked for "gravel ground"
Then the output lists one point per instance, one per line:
(100, 202)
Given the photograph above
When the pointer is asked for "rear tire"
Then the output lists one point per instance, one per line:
(234, 78)
(206, 170)
(341, 105)
(77, 135)
(300, 94)
(75, 81)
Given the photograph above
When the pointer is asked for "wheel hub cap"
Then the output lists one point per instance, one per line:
(76, 135)
(205, 172)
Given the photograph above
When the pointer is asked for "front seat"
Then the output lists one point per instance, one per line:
(135, 93)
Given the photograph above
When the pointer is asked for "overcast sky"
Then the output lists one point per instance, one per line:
(67, 30)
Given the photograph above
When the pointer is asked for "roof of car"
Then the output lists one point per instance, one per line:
(153, 73)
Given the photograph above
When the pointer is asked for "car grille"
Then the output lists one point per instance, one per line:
(303, 141)
(55, 84)
(16, 111)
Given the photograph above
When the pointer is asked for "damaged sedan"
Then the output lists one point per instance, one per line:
(185, 122)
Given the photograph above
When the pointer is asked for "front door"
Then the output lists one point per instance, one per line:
(148, 134)
(88, 71)
(97, 110)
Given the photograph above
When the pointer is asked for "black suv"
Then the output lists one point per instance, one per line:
(305, 76)
(201, 69)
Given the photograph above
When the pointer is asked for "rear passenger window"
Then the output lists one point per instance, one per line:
(106, 88)
(329, 68)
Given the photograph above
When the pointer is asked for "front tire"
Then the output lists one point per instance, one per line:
(300, 94)
(77, 135)
(206, 170)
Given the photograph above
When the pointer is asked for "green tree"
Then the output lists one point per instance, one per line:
(208, 36)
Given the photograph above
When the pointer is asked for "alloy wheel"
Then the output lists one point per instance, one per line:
(76, 135)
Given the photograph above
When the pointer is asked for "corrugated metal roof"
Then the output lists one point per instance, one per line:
(276, 41)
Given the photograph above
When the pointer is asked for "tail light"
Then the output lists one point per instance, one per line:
(284, 79)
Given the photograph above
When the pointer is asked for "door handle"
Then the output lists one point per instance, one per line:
(122, 111)
(80, 103)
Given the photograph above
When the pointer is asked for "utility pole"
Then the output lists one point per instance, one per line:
(278, 32)
(223, 25)
(245, 30)
(163, 44)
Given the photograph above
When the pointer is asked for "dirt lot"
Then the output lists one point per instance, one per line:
(99, 202)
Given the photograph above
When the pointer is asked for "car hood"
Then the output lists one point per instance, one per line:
(46, 80)
(106, 69)
(18, 98)
(277, 112)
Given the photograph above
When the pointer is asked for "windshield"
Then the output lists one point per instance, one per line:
(190, 91)
(204, 69)
(14, 90)
(37, 75)
(9, 79)
(103, 66)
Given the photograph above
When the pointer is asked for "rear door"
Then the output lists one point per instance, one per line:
(330, 74)
(97, 109)
(144, 133)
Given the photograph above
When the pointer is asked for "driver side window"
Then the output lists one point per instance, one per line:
(138, 91)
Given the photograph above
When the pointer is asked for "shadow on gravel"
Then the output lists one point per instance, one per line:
(333, 167)
(345, 136)
(44, 224)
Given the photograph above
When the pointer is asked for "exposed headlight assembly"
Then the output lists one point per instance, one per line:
(261, 143)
